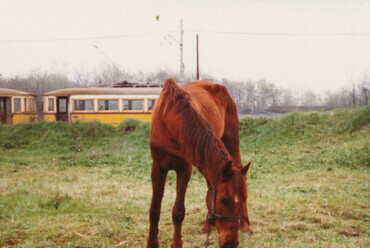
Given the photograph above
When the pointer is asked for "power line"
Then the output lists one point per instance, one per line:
(80, 38)
(277, 34)
(193, 31)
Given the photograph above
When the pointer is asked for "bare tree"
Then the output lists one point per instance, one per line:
(364, 92)
(267, 94)
(111, 74)
(310, 99)
(287, 98)
(83, 78)
(162, 75)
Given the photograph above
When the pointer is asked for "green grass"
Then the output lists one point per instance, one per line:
(88, 184)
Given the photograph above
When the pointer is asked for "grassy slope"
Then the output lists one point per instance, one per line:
(88, 185)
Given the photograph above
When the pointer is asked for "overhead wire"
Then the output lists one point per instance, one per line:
(193, 31)
(80, 38)
(278, 34)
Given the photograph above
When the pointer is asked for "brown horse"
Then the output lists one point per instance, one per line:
(197, 124)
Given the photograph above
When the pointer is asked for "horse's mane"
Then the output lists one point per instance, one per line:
(198, 137)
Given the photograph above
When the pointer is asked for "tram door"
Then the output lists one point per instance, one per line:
(5, 115)
(62, 109)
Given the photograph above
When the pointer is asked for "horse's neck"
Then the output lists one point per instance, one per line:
(199, 141)
(215, 159)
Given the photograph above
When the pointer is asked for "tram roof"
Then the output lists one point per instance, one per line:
(11, 92)
(105, 91)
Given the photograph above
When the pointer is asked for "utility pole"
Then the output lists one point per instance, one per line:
(181, 54)
(197, 57)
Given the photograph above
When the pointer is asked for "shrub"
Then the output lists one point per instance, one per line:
(129, 125)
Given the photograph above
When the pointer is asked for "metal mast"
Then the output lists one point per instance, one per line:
(197, 56)
(181, 51)
(181, 54)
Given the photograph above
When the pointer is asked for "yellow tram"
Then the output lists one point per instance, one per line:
(17, 106)
(108, 105)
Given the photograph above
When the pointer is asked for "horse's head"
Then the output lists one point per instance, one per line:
(227, 200)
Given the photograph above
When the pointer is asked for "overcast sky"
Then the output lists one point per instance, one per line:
(313, 44)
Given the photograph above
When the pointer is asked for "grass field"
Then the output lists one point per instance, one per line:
(88, 185)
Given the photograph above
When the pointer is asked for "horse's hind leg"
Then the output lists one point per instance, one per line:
(159, 176)
(183, 172)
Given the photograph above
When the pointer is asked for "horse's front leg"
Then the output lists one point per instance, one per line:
(178, 211)
(158, 182)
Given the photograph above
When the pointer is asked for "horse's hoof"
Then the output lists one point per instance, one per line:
(152, 245)
(176, 246)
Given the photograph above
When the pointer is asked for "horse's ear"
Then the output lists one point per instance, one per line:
(227, 171)
(245, 169)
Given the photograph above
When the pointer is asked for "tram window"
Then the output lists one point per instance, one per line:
(17, 105)
(7, 105)
(27, 104)
(50, 104)
(83, 104)
(108, 104)
(62, 102)
(31, 105)
(151, 104)
(133, 105)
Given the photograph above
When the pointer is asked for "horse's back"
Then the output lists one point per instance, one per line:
(209, 100)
